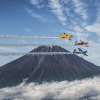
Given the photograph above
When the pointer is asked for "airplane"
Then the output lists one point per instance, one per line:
(65, 36)
(80, 52)
(81, 43)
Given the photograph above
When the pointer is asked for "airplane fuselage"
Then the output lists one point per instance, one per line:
(80, 52)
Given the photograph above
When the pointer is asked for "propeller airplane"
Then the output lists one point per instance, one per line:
(80, 52)
(65, 36)
(81, 43)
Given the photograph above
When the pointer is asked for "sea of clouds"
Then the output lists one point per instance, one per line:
(86, 89)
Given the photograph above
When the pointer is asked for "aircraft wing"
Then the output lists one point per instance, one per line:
(84, 54)
(79, 49)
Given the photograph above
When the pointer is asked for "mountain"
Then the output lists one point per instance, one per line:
(39, 68)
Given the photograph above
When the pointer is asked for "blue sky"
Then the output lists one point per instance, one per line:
(80, 18)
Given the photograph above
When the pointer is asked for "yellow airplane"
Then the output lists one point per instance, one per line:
(65, 36)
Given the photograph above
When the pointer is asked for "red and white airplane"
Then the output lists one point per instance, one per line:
(81, 43)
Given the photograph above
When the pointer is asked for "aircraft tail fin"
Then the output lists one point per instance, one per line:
(74, 51)
(60, 36)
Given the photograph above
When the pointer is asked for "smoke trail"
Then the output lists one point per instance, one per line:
(34, 53)
(33, 44)
(27, 37)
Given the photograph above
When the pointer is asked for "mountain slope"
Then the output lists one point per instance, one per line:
(39, 68)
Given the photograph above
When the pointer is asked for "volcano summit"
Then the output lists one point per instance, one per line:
(39, 68)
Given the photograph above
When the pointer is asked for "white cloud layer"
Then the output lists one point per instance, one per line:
(80, 33)
(35, 15)
(95, 27)
(85, 89)
(57, 9)
(37, 3)
(34, 2)
(61, 9)
(79, 8)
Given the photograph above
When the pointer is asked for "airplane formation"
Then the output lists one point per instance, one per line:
(76, 43)
(33, 44)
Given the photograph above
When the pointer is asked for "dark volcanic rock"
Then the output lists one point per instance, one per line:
(39, 68)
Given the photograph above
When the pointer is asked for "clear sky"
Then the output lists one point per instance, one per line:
(80, 18)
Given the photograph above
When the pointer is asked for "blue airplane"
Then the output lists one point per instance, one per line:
(80, 52)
